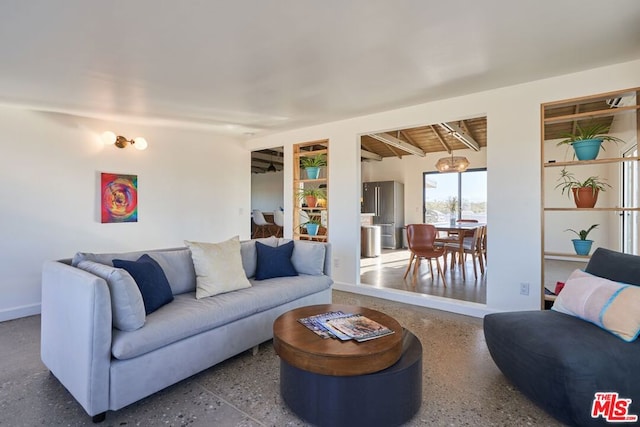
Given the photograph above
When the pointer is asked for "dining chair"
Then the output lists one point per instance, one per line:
(421, 238)
(469, 245)
(483, 245)
(278, 219)
(263, 227)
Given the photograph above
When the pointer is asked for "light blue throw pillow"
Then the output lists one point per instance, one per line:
(127, 306)
(308, 257)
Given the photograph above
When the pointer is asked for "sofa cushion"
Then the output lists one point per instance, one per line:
(176, 264)
(274, 262)
(127, 305)
(249, 255)
(218, 267)
(610, 305)
(187, 316)
(151, 281)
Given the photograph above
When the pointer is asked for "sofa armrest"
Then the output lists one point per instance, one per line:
(327, 259)
(76, 333)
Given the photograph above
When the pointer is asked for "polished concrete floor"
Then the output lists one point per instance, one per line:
(461, 385)
(387, 271)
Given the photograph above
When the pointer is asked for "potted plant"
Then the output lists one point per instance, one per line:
(452, 205)
(586, 141)
(582, 246)
(311, 195)
(585, 193)
(312, 226)
(312, 164)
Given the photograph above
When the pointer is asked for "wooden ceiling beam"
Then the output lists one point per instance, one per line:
(457, 132)
(463, 125)
(409, 138)
(440, 138)
(392, 141)
(271, 159)
(364, 154)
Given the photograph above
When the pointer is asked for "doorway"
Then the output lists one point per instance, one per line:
(406, 156)
(267, 185)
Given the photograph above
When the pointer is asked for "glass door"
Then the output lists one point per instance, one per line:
(443, 191)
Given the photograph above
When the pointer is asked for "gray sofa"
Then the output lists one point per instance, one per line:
(560, 361)
(106, 368)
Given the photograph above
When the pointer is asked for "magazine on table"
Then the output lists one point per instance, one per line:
(316, 324)
(357, 327)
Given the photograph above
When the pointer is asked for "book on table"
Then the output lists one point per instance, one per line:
(358, 327)
(316, 323)
(345, 326)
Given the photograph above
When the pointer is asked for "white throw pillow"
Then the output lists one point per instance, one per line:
(218, 267)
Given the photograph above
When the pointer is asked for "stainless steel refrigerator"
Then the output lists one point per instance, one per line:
(385, 200)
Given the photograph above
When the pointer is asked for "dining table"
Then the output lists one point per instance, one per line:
(455, 234)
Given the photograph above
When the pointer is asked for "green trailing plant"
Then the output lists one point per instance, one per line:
(569, 182)
(583, 233)
(312, 221)
(318, 193)
(313, 161)
(593, 130)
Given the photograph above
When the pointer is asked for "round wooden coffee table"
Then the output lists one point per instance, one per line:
(329, 382)
(302, 348)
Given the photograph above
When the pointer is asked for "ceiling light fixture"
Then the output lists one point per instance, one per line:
(119, 141)
(452, 164)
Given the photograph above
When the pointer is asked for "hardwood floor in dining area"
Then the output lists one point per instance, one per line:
(387, 271)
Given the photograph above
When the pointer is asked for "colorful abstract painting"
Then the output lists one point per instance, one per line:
(119, 197)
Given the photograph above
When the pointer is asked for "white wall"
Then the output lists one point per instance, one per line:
(513, 162)
(190, 187)
(267, 192)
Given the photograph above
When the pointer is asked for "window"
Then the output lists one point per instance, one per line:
(442, 191)
(629, 200)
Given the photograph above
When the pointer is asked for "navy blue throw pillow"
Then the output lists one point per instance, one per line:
(274, 261)
(151, 281)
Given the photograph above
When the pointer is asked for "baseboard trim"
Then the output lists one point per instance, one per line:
(18, 312)
(430, 301)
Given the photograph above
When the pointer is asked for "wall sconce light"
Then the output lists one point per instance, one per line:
(119, 141)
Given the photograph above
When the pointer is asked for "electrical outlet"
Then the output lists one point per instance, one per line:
(524, 288)
(336, 262)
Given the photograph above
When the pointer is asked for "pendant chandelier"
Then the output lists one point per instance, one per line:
(452, 164)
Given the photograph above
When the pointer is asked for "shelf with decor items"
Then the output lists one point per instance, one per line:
(609, 123)
(310, 190)
(591, 162)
